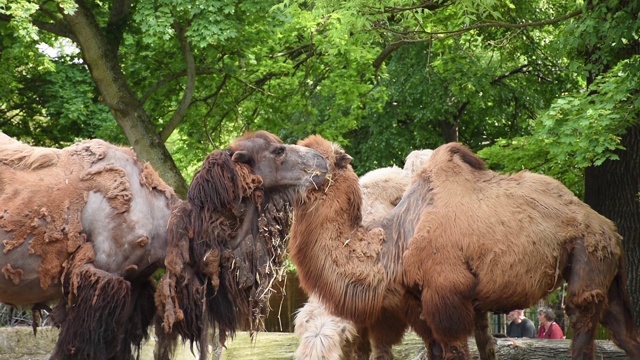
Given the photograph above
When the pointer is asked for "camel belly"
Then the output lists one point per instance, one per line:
(20, 282)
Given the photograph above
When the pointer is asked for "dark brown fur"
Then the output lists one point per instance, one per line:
(70, 234)
(226, 244)
(445, 249)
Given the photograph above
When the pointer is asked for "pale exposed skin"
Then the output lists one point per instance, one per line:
(93, 209)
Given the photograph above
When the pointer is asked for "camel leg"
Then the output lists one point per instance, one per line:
(166, 343)
(96, 320)
(618, 317)
(434, 349)
(585, 300)
(456, 350)
(362, 349)
(385, 332)
(484, 340)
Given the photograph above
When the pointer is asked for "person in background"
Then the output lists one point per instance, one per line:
(548, 329)
(519, 326)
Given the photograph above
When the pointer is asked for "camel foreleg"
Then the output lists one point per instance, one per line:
(386, 331)
(95, 317)
(362, 344)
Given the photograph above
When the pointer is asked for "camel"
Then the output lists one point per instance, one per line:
(439, 261)
(321, 334)
(86, 226)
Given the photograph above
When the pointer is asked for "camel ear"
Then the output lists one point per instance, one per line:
(343, 159)
(242, 157)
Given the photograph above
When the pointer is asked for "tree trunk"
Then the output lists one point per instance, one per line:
(529, 349)
(118, 96)
(536, 349)
(612, 189)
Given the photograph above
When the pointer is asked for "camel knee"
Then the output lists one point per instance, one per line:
(445, 323)
(458, 350)
(584, 310)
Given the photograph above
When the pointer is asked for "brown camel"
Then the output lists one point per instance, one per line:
(86, 226)
(439, 261)
(321, 334)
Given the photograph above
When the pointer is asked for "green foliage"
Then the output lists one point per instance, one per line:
(296, 68)
(45, 100)
(584, 128)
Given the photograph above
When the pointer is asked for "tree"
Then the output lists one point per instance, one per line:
(549, 86)
(99, 47)
(592, 134)
(210, 70)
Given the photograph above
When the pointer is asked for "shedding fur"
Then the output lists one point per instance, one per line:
(447, 243)
(86, 226)
(53, 244)
(227, 243)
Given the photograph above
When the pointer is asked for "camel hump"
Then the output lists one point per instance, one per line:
(467, 156)
(22, 156)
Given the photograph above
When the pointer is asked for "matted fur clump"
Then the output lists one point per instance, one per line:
(78, 226)
(228, 240)
(446, 247)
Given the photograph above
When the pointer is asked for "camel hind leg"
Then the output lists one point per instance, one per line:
(618, 316)
(93, 322)
(588, 280)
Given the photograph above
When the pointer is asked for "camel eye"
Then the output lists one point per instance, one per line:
(279, 151)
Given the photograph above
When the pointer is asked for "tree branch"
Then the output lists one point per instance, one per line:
(118, 18)
(57, 29)
(431, 6)
(189, 88)
(440, 35)
(518, 70)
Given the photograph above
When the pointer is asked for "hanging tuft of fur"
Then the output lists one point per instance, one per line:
(225, 251)
(105, 304)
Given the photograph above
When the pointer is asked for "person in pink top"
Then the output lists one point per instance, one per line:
(548, 329)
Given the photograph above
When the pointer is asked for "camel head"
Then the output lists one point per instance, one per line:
(335, 156)
(278, 164)
(254, 163)
(341, 183)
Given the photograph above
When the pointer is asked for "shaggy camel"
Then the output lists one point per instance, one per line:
(86, 226)
(439, 261)
(322, 335)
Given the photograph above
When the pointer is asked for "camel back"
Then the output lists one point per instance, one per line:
(382, 190)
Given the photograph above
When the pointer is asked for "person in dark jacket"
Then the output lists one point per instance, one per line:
(519, 326)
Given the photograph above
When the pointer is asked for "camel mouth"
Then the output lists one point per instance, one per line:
(317, 179)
